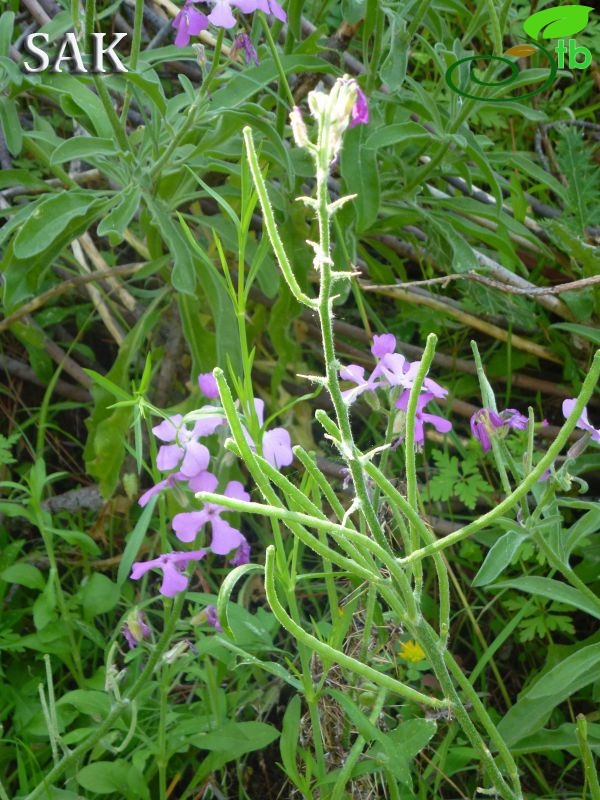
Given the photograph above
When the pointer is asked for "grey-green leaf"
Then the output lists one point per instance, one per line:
(554, 590)
(499, 557)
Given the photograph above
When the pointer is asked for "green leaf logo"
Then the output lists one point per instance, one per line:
(557, 22)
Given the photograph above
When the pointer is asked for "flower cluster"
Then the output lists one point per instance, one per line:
(345, 106)
(486, 423)
(190, 21)
(187, 460)
(394, 372)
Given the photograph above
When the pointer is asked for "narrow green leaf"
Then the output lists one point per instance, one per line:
(361, 176)
(11, 126)
(554, 590)
(566, 673)
(585, 331)
(50, 217)
(499, 557)
(134, 541)
(183, 275)
(227, 588)
(119, 217)
(84, 147)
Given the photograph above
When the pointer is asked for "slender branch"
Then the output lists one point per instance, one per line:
(532, 291)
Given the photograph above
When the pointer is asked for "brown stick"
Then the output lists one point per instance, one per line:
(65, 286)
(533, 291)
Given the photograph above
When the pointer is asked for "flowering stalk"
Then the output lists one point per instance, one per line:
(529, 481)
(75, 756)
(333, 115)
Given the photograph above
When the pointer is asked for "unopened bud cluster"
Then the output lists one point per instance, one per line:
(344, 106)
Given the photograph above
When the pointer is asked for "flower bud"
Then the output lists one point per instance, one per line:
(299, 128)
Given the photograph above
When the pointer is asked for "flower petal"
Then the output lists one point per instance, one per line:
(204, 482)
(360, 110)
(354, 373)
(568, 406)
(277, 10)
(439, 423)
(187, 524)
(236, 490)
(168, 456)
(208, 385)
(242, 555)
(195, 460)
(173, 580)
(221, 15)
(167, 430)
(393, 366)
(140, 568)
(277, 447)
(384, 344)
(197, 22)
(259, 406)
(225, 537)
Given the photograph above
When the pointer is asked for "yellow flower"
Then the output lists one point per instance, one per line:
(412, 651)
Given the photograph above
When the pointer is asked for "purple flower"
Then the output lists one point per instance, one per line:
(172, 566)
(242, 555)
(225, 537)
(276, 443)
(421, 417)
(243, 42)
(392, 369)
(212, 618)
(135, 629)
(356, 374)
(384, 344)
(186, 453)
(483, 422)
(268, 6)
(221, 16)
(189, 22)
(208, 385)
(360, 111)
(514, 419)
(583, 422)
(168, 483)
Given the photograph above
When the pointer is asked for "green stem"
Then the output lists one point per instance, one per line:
(192, 112)
(161, 756)
(136, 42)
(589, 767)
(528, 482)
(54, 578)
(427, 535)
(563, 568)
(325, 309)
(90, 15)
(337, 793)
(117, 710)
(283, 81)
(115, 123)
(329, 654)
(270, 225)
(409, 451)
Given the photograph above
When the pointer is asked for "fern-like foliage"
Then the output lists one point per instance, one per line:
(581, 195)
